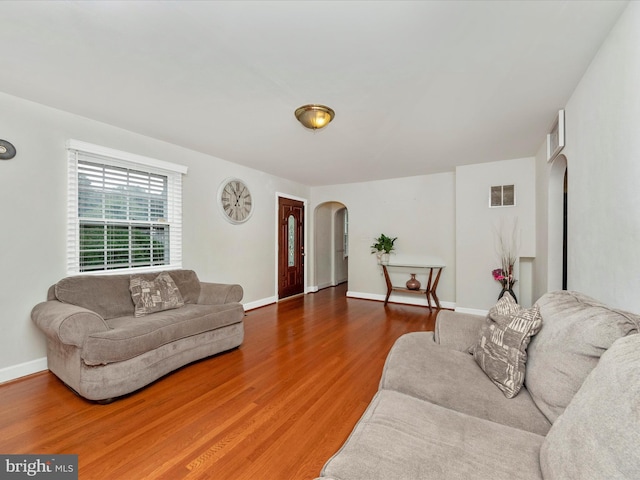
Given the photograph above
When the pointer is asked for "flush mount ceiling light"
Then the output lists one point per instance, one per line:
(314, 116)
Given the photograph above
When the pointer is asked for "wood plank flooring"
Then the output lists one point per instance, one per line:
(276, 408)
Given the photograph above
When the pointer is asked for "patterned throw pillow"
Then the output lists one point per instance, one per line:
(155, 295)
(501, 350)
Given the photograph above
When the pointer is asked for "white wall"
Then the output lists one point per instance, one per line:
(603, 158)
(33, 206)
(419, 210)
(476, 224)
(443, 217)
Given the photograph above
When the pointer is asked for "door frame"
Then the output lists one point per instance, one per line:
(555, 222)
(276, 223)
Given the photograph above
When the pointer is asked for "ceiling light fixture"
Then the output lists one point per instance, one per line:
(314, 116)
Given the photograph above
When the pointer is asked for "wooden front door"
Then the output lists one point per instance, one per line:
(290, 247)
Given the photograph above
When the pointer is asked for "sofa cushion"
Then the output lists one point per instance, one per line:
(400, 437)
(419, 367)
(109, 295)
(576, 331)
(501, 351)
(598, 435)
(130, 336)
(155, 295)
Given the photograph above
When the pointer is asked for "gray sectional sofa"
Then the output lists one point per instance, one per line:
(438, 415)
(110, 335)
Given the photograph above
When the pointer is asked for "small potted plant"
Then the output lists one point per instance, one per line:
(382, 247)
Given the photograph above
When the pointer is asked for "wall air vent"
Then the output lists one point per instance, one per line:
(503, 196)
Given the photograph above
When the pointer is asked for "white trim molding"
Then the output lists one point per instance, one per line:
(401, 299)
(125, 156)
(259, 303)
(23, 369)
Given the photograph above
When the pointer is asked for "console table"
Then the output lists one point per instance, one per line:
(429, 291)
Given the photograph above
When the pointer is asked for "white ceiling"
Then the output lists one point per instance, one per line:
(418, 87)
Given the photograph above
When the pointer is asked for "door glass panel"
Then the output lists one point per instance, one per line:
(292, 241)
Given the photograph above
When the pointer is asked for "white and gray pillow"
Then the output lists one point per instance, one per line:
(501, 350)
(155, 295)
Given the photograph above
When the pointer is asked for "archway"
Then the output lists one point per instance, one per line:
(557, 266)
(331, 244)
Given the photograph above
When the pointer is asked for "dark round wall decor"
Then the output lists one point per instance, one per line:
(7, 151)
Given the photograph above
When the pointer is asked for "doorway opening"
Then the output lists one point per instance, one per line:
(331, 244)
(558, 203)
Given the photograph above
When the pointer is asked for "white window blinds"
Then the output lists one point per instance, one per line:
(125, 211)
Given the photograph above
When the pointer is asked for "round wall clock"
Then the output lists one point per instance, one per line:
(234, 199)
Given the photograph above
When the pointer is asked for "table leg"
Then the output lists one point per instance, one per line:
(435, 286)
(388, 281)
(427, 290)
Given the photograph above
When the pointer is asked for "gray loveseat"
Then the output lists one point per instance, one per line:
(437, 415)
(103, 345)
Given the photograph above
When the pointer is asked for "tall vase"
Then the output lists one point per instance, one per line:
(413, 283)
(505, 290)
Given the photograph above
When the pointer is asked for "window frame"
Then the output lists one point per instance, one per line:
(86, 152)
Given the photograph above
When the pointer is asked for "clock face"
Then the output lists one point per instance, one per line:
(235, 201)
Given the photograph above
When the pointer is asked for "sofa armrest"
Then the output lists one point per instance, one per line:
(458, 331)
(67, 323)
(219, 293)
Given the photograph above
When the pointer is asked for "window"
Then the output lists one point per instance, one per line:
(125, 211)
(291, 234)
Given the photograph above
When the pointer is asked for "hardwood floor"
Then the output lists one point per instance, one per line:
(276, 408)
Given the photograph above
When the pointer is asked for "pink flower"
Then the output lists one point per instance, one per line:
(504, 277)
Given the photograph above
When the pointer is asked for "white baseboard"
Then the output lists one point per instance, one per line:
(322, 286)
(402, 299)
(259, 303)
(23, 369)
(269, 300)
(365, 296)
